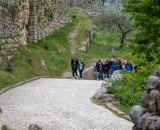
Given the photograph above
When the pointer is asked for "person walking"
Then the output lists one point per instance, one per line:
(128, 66)
(106, 68)
(99, 67)
(113, 68)
(81, 67)
(74, 66)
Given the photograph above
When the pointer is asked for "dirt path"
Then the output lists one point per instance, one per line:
(58, 104)
(72, 39)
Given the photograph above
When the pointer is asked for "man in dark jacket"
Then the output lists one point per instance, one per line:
(106, 68)
(74, 66)
(99, 67)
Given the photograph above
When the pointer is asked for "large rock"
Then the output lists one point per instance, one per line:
(147, 116)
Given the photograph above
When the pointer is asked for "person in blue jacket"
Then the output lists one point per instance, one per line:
(113, 68)
(128, 66)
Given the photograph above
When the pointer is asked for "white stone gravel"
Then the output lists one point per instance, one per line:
(58, 104)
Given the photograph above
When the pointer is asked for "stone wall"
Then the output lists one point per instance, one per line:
(91, 7)
(14, 15)
(46, 17)
(23, 21)
(29, 20)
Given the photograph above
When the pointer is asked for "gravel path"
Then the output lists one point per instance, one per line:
(58, 104)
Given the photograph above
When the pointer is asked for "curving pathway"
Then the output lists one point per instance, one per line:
(58, 104)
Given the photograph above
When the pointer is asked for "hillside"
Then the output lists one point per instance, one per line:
(51, 55)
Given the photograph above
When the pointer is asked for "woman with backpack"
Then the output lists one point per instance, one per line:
(81, 67)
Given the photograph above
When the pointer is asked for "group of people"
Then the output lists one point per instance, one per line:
(105, 70)
(77, 65)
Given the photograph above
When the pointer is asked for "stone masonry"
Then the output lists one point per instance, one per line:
(91, 7)
(23, 21)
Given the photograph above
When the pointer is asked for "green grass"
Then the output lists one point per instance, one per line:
(57, 62)
(85, 24)
(129, 90)
(101, 47)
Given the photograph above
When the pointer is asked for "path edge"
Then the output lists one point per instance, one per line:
(3, 90)
(110, 105)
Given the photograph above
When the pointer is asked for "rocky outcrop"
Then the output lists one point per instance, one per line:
(116, 75)
(89, 72)
(147, 116)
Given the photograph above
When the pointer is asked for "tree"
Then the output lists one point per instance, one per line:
(146, 14)
(114, 17)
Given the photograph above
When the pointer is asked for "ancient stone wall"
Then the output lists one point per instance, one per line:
(91, 7)
(29, 20)
(14, 17)
(46, 17)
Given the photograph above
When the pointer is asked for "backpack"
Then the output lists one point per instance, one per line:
(81, 66)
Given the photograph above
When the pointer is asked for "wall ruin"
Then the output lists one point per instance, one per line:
(23, 21)
(91, 7)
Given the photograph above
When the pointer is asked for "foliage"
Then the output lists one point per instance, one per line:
(113, 18)
(101, 47)
(146, 14)
(129, 90)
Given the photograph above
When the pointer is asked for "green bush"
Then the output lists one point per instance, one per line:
(129, 89)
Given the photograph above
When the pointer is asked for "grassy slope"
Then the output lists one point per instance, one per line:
(57, 62)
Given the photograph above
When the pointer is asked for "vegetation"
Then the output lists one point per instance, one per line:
(146, 51)
(114, 19)
(129, 90)
(146, 15)
(85, 23)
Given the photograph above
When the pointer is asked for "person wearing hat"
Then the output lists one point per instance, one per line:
(81, 67)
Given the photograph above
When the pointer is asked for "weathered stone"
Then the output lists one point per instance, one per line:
(135, 113)
(34, 127)
(29, 20)
(91, 7)
(0, 111)
(152, 82)
(147, 117)
(43, 64)
(157, 72)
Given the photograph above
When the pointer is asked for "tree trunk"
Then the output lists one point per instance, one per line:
(123, 35)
